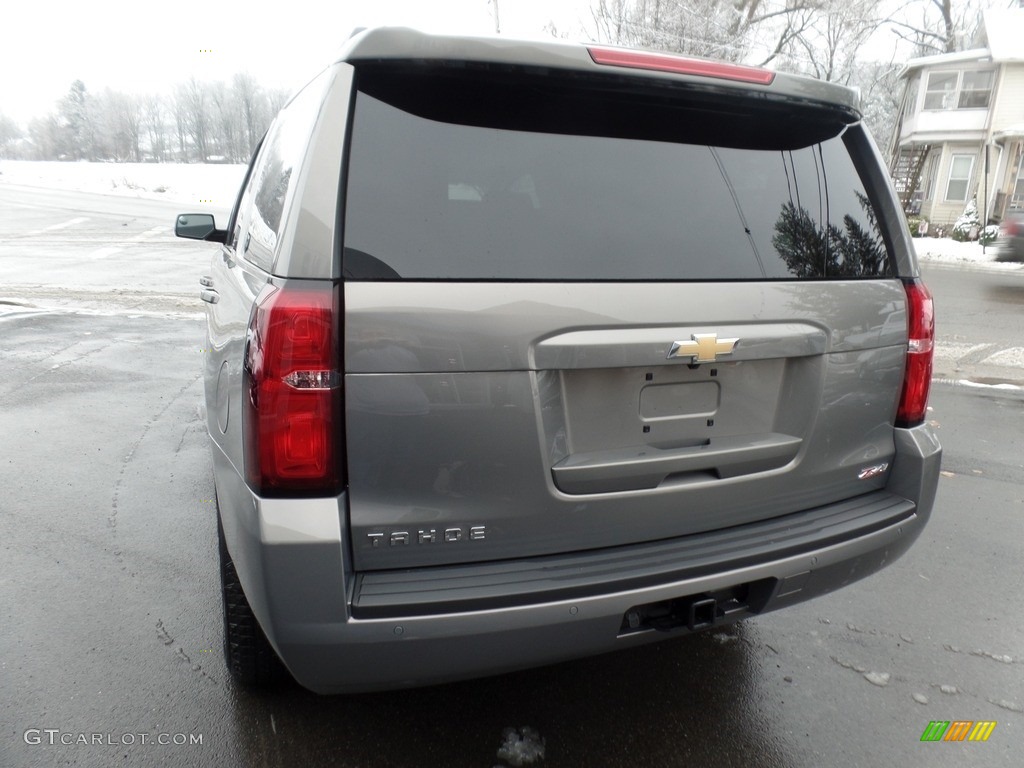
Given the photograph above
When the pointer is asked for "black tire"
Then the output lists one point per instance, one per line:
(249, 656)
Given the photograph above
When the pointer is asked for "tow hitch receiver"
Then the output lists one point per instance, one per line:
(696, 612)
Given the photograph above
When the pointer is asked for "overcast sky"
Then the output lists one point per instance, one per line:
(139, 46)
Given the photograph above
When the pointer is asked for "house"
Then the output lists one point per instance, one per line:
(960, 133)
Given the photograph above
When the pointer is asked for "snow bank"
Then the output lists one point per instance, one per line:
(945, 250)
(215, 185)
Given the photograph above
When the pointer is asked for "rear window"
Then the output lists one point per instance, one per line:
(458, 174)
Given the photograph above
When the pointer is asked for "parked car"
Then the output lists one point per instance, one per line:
(1010, 243)
(520, 352)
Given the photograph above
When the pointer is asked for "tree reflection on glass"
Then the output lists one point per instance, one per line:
(810, 250)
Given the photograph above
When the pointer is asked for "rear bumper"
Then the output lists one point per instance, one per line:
(342, 632)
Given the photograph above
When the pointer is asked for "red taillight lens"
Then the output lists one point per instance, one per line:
(920, 346)
(663, 62)
(1009, 228)
(293, 416)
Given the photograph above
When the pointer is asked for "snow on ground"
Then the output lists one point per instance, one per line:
(948, 251)
(215, 185)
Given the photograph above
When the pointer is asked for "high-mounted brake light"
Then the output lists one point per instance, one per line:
(920, 347)
(663, 62)
(293, 416)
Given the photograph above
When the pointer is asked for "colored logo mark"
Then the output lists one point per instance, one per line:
(958, 730)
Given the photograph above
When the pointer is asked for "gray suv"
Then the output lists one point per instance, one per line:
(520, 352)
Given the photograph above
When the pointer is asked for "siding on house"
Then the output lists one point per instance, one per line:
(938, 210)
(1009, 106)
(951, 121)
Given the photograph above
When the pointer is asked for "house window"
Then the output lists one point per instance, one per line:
(958, 90)
(959, 177)
(974, 90)
(941, 91)
(1017, 200)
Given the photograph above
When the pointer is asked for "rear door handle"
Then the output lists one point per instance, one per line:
(206, 281)
(211, 297)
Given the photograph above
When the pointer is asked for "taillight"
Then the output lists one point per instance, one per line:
(1009, 228)
(663, 62)
(292, 385)
(920, 347)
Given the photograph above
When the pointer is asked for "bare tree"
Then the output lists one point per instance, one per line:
(881, 93)
(155, 126)
(179, 111)
(106, 144)
(252, 107)
(734, 30)
(124, 119)
(226, 122)
(832, 41)
(937, 26)
(192, 117)
(196, 122)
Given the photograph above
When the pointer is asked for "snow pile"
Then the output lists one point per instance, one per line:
(881, 679)
(968, 221)
(948, 251)
(201, 185)
(521, 748)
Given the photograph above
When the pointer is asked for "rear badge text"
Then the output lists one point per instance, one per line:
(428, 536)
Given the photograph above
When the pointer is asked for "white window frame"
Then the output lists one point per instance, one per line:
(962, 90)
(951, 98)
(1017, 194)
(966, 180)
(913, 94)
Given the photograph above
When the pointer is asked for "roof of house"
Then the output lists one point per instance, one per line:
(1014, 131)
(975, 54)
(1004, 28)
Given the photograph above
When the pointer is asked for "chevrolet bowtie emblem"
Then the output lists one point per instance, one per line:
(704, 347)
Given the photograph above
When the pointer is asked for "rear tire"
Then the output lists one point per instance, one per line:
(249, 656)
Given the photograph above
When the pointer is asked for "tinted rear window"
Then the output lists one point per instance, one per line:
(463, 175)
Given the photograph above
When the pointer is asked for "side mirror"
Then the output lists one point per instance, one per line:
(199, 226)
